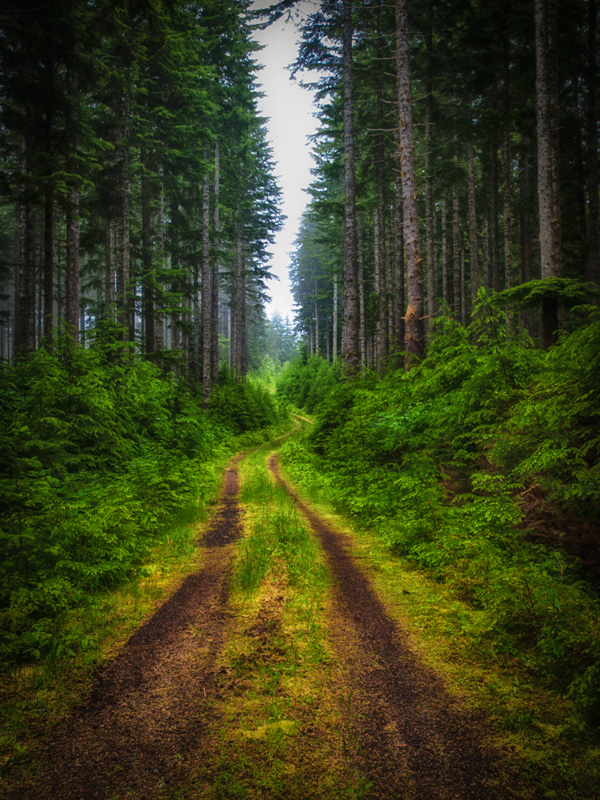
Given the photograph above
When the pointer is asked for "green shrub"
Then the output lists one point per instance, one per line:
(440, 462)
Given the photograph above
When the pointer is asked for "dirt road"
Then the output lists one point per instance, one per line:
(417, 742)
(155, 717)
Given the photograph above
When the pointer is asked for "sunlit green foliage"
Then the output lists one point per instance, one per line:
(480, 466)
(100, 456)
(307, 380)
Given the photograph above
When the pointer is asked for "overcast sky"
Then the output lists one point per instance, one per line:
(290, 111)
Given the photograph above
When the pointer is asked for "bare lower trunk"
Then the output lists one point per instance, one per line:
(494, 232)
(159, 321)
(72, 274)
(124, 304)
(593, 226)
(207, 322)
(380, 288)
(463, 293)
(485, 246)
(110, 276)
(49, 263)
(507, 169)
(473, 243)
(350, 294)
(445, 287)
(429, 204)
(317, 331)
(147, 261)
(196, 326)
(526, 236)
(399, 272)
(214, 341)
(24, 341)
(362, 336)
(335, 315)
(238, 310)
(414, 339)
(456, 306)
(546, 103)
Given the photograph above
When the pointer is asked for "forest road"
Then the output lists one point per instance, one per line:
(150, 708)
(417, 743)
(153, 716)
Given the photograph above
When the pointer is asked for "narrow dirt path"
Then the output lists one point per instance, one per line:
(416, 742)
(151, 706)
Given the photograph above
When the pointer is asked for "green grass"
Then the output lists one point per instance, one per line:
(284, 730)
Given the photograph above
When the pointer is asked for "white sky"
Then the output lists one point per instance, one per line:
(290, 111)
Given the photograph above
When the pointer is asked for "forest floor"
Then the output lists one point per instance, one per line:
(274, 671)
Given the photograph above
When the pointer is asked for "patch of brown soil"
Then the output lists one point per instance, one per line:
(416, 741)
(150, 707)
(225, 524)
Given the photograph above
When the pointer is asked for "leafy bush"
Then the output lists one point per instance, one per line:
(100, 455)
(306, 381)
(444, 461)
(244, 407)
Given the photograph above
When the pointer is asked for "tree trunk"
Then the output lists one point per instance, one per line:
(238, 309)
(494, 231)
(147, 260)
(335, 315)
(24, 341)
(463, 292)
(207, 322)
(124, 305)
(362, 337)
(72, 275)
(473, 243)
(593, 226)
(507, 194)
(174, 327)
(350, 301)
(526, 234)
(317, 331)
(445, 285)
(399, 271)
(110, 276)
(485, 249)
(507, 169)
(414, 339)
(159, 321)
(546, 158)
(380, 289)
(456, 308)
(243, 331)
(429, 204)
(195, 324)
(214, 341)
(49, 263)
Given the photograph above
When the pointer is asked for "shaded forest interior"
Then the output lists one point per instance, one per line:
(446, 277)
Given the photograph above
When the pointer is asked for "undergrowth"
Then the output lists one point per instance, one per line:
(481, 467)
(102, 456)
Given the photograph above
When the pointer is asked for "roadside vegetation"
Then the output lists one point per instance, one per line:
(104, 459)
(474, 481)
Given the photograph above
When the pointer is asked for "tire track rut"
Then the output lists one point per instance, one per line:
(150, 708)
(417, 741)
